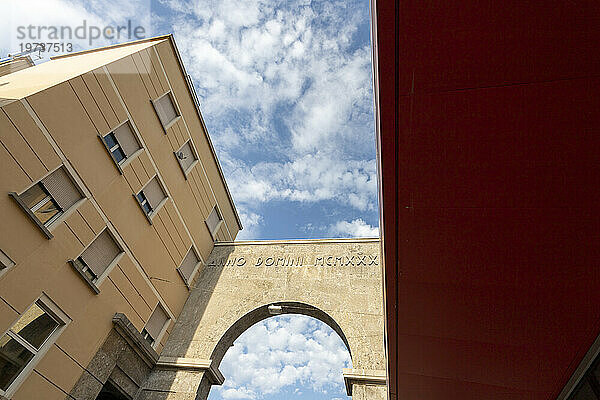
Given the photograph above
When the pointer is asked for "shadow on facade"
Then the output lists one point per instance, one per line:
(125, 361)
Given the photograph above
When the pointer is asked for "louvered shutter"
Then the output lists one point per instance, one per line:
(165, 109)
(156, 322)
(188, 264)
(154, 193)
(62, 189)
(213, 220)
(100, 253)
(188, 156)
(126, 139)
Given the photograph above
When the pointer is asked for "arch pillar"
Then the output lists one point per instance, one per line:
(336, 281)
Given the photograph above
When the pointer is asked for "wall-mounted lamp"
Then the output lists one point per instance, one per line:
(275, 310)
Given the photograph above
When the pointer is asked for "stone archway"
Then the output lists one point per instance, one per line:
(260, 314)
(335, 281)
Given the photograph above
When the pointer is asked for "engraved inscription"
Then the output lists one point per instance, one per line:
(299, 261)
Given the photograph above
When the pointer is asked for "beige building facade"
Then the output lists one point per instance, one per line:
(113, 199)
(119, 274)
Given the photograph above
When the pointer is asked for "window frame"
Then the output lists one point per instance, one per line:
(63, 320)
(144, 202)
(6, 263)
(194, 153)
(43, 202)
(95, 283)
(53, 222)
(117, 146)
(145, 334)
(124, 162)
(175, 106)
(153, 211)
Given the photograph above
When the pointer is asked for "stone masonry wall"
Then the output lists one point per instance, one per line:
(337, 281)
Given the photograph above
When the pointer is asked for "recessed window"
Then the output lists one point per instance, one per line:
(97, 257)
(121, 143)
(154, 327)
(40, 202)
(84, 269)
(166, 110)
(5, 261)
(186, 156)
(49, 198)
(151, 197)
(214, 221)
(33, 332)
(188, 265)
(144, 202)
(113, 146)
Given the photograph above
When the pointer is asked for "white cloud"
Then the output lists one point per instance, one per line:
(251, 223)
(287, 96)
(283, 352)
(237, 393)
(354, 228)
(313, 177)
(42, 15)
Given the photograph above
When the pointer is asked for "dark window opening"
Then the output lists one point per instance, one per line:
(111, 392)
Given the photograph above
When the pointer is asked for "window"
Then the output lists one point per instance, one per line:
(114, 148)
(5, 261)
(151, 197)
(121, 143)
(166, 110)
(155, 325)
(214, 221)
(97, 257)
(29, 337)
(144, 202)
(48, 199)
(41, 203)
(188, 265)
(186, 156)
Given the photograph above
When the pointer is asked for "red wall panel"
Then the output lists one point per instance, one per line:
(488, 134)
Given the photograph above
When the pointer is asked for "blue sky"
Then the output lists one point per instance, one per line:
(286, 91)
(285, 88)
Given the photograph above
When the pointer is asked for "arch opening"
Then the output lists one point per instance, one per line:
(258, 315)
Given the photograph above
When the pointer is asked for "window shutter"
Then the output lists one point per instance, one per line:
(165, 109)
(100, 253)
(62, 189)
(188, 155)
(213, 220)
(154, 192)
(188, 264)
(126, 139)
(156, 322)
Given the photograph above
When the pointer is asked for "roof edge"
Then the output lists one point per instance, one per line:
(112, 46)
(192, 92)
(299, 241)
